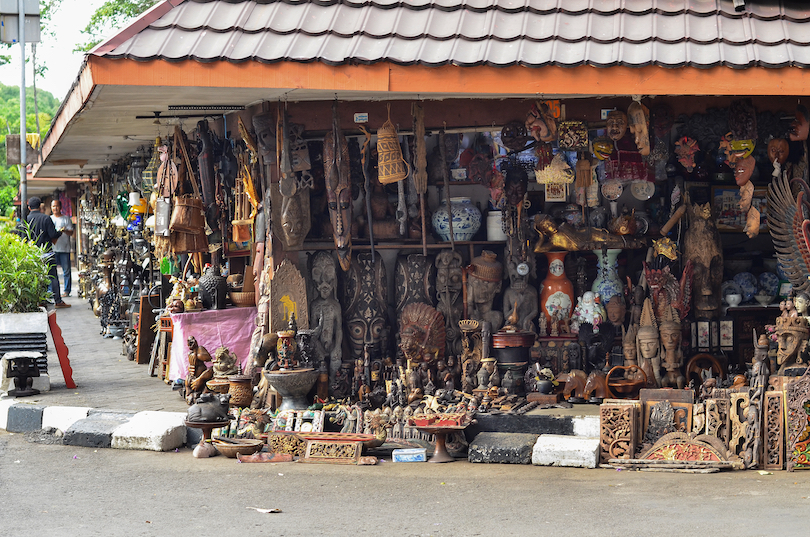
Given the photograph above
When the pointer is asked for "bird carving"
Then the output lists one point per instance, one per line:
(790, 229)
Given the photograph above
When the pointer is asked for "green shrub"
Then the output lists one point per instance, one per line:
(24, 281)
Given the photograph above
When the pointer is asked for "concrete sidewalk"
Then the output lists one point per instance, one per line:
(112, 393)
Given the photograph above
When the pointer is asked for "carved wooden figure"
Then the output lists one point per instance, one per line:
(365, 301)
(449, 284)
(520, 294)
(325, 313)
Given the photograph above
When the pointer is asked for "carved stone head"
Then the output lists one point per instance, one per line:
(616, 125)
(324, 275)
(616, 309)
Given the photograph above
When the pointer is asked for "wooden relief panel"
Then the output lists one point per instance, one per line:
(797, 408)
(739, 405)
(617, 436)
(774, 458)
(288, 296)
(699, 418)
(717, 424)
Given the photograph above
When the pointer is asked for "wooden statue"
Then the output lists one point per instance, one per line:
(197, 356)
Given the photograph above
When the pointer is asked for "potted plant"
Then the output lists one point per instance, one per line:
(24, 286)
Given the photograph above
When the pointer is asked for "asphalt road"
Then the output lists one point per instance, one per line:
(61, 490)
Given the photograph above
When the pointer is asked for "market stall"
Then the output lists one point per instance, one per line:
(590, 236)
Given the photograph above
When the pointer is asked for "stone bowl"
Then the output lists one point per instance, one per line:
(242, 446)
(293, 385)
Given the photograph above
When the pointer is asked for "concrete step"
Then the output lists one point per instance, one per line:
(508, 448)
(561, 450)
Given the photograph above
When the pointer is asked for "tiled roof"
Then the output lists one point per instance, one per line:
(533, 33)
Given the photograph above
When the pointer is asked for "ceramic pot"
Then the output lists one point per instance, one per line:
(556, 291)
(544, 386)
(495, 226)
(733, 299)
(466, 220)
(607, 282)
(213, 288)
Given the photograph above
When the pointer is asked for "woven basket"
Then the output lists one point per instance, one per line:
(242, 300)
(391, 167)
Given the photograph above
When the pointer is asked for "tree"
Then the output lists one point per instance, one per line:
(112, 15)
(46, 10)
(10, 123)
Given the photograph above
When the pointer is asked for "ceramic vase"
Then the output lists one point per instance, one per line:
(556, 291)
(466, 220)
(495, 226)
(607, 282)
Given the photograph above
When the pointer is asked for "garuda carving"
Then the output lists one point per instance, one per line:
(421, 329)
(790, 229)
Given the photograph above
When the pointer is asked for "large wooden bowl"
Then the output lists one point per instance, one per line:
(242, 446)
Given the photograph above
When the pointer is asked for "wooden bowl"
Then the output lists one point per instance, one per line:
(242, 300)
(242, 446)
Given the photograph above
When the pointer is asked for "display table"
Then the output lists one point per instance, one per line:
(231, 328)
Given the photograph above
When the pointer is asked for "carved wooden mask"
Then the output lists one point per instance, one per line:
(339, 195)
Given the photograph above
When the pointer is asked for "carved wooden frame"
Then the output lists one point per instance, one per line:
(618, 424)
(737, 422)
(774, 433)
(797, 422)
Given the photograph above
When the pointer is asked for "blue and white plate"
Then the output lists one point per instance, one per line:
(748, 285)
(769, 282)
(780, 271)
(729, 287)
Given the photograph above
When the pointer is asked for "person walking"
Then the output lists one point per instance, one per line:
(44, 234)
(61, 248)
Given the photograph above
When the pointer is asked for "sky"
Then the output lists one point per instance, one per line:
(57, 53)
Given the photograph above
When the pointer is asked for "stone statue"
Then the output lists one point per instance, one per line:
(792, 334)
(483, 284)
(648, 346)
(555, 237)
(225, 363)
(325, 313)
(520, 295)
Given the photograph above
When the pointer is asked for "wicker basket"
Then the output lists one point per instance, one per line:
(242, 299)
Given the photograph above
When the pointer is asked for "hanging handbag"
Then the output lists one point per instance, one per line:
(391, 167)
(188, 214)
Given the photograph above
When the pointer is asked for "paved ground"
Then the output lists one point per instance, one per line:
(103, 376)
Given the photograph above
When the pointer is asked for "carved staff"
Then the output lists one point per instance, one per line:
(205, 160)
(366, 159)
(446, 180)
(420, 175)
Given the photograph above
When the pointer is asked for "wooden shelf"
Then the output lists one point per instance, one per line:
(409, 245)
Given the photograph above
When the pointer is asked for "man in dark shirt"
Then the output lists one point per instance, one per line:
(44, 234)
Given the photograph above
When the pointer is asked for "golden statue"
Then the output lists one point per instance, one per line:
(555, 237)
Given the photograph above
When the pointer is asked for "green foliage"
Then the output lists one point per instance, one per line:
(10, 123)
(112, 15)
(24, 281)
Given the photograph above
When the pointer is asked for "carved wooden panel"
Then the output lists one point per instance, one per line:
(699, 418)
(797, 403)
(774, 431)
(736, 415)
(617, 431)
(288, 295)
(717, 419)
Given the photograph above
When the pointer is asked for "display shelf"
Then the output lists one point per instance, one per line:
(402, 245)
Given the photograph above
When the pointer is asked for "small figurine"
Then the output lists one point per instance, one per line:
(588, 310)
(225, 363)
(197, 356)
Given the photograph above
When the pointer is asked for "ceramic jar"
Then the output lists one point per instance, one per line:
(556, 291)
(466, 220)
(213, 288)
(607, 282)
(495, 226)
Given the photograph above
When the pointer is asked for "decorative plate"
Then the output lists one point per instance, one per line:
(729, 287)
(769, 282)
(642, 190)
(780, 270)
(612, 190)
(748, 285)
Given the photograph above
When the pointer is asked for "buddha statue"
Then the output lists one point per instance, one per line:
(553, 237)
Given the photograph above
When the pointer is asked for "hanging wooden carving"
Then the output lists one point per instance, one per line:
(414, 280)
(365, 299)
(617, 431)
(788, 230)
(449, 284)
(338, 189)
(797, 407)
(774, 457)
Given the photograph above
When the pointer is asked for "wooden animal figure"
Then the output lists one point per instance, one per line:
(574, 381)
(596, 386)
